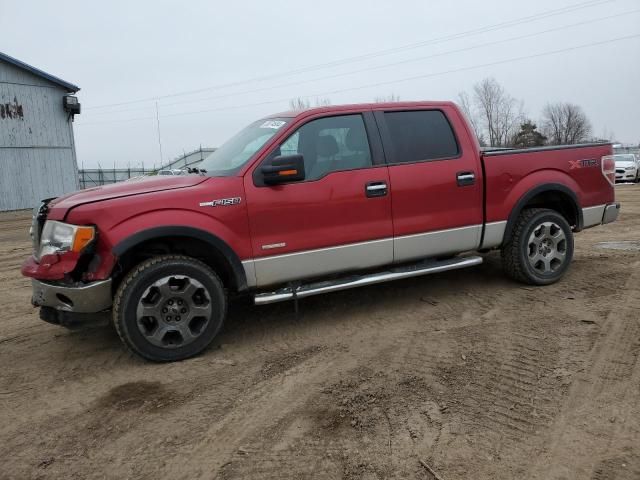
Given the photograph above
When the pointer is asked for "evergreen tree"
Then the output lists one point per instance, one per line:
(528, 136)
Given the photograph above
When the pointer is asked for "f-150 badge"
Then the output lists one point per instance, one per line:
(222, 202)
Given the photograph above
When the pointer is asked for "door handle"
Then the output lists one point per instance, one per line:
(376, 189)
(465, 178)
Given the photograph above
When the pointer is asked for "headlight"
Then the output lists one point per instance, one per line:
(629, 168)
(59, 237)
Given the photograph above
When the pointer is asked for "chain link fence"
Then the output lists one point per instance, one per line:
(93, 177)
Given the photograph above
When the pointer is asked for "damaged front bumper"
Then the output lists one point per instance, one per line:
(77, 298)
(72, 306)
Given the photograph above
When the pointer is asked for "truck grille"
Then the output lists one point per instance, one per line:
(37, 223)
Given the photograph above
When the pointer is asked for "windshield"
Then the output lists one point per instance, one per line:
(235, 152)
(625, 158)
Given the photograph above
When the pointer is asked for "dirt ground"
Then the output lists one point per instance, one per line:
(465, 373)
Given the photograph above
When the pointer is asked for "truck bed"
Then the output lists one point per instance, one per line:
(510, 173)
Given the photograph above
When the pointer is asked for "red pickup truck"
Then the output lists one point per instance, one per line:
(309, 202)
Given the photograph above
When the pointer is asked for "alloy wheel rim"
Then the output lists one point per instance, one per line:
(173, 311)
(547, 248)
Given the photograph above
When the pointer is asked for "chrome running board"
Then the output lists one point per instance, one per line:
(423, 268)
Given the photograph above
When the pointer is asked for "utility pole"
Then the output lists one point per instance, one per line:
(159, 141)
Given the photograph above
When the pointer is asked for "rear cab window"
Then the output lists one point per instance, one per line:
(420, 135)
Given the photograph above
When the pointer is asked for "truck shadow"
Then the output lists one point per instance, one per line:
(440, 288)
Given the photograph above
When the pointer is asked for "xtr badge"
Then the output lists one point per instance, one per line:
(587, 162)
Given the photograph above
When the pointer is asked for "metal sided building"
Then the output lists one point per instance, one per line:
(37, 150)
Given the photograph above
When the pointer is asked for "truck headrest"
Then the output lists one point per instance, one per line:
(326, 146)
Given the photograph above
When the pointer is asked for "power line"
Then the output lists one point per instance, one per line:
(400, 80)
(386, 65)
(403, 62)
(418, 77)
(158, 124)
(358, 58)
(126, 120)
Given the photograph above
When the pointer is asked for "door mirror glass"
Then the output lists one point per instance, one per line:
(283, 169)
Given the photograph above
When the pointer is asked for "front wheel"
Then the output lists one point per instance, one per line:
(540, 248)
(169, 308)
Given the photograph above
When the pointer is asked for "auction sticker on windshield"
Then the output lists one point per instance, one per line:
(275, 124)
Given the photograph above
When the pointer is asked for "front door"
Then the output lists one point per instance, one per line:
(436, 183)
(337, 219)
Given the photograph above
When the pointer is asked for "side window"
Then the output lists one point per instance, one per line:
(290, 145)
(329, 144)
(421, 135)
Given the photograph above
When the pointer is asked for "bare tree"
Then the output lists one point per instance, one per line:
(301, 103)
(467, 108)
(565, 123)
(500, 113)
(323, 102)
(388, 98)
(608, 135)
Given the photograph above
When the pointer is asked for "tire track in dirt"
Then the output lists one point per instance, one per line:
(140, 417)
(316, 440)
(11, 262)
(601, 395)
(618, 468)
(262, 408)
(402, 420)
(507, 390)
(496, 412)
(499, 398)
(463, 370)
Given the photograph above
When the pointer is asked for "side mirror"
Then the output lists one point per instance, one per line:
(283, 169)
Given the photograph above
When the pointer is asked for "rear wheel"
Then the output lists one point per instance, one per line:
(540, 248)
(169, 308)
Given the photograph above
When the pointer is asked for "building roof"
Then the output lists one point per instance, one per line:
(69, 87)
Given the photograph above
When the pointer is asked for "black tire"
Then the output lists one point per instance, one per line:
(169, 308)
(540, 249)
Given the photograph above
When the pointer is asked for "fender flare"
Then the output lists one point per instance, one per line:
(215, 242)
(547, 187)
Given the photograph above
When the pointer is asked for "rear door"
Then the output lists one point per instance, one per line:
(435, 182)
(338, 218)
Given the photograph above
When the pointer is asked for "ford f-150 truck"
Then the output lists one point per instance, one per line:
(309, 202)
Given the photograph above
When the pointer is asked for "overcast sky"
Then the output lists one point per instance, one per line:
(347, 51)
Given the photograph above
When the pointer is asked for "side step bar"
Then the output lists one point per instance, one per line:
(423, 268)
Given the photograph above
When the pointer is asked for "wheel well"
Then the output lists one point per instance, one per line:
(554, 196)
(189, 246)
(558, 201)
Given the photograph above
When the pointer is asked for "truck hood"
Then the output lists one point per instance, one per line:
(123, 189)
